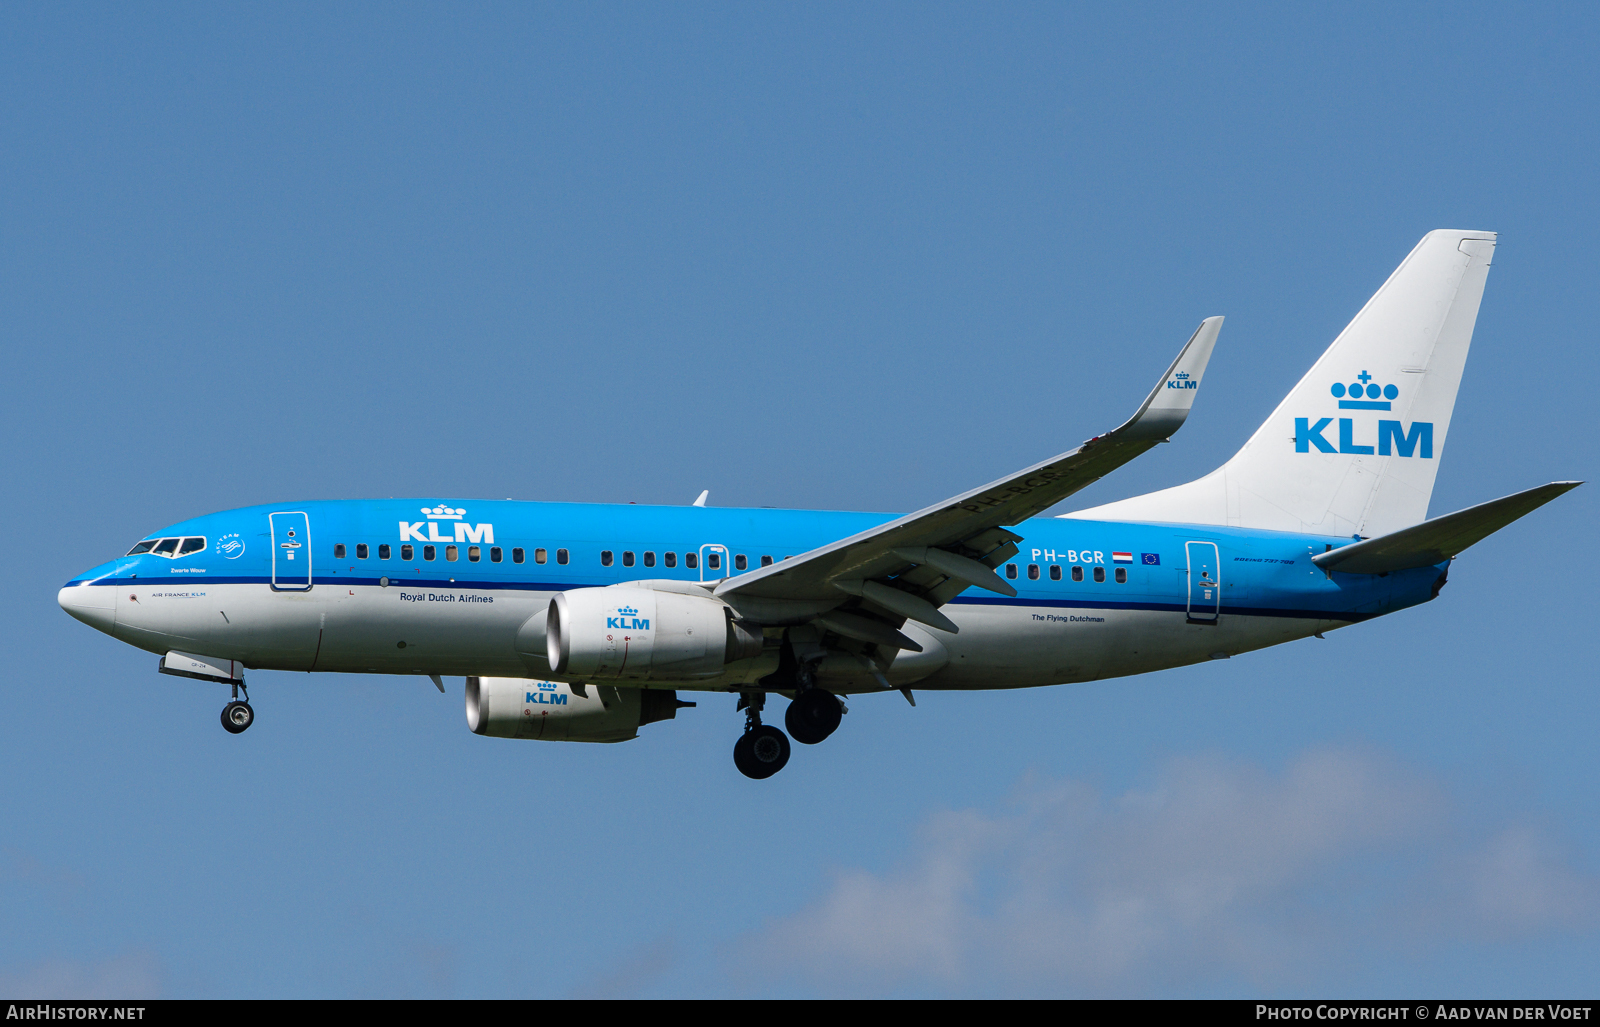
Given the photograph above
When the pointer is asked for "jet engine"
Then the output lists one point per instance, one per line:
(624, 632)
(525, 708)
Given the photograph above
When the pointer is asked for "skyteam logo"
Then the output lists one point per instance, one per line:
(231, 546)
(1181, 380)
(444, 513)
(1365, 394)
(628, 619)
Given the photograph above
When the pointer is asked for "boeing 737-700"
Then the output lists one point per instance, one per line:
(575, 622)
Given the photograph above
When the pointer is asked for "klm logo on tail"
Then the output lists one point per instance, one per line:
(1365, 394)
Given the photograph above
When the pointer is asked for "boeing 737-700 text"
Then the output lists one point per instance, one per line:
(583, 622)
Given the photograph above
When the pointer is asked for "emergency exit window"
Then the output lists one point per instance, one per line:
(691, 560)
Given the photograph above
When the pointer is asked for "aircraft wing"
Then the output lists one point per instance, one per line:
(911, 566)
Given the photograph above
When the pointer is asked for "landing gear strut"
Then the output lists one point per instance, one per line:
(236, 716)
(762, 750)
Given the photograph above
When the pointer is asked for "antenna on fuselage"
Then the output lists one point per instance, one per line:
(702, 500)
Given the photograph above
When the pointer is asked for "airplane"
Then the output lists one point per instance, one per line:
(584, 622)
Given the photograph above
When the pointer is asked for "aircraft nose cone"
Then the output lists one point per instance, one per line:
(95, 605)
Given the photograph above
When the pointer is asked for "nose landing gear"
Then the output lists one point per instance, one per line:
(762, 750)
(236, 716)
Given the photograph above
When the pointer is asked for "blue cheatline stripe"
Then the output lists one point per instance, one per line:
(561, 586)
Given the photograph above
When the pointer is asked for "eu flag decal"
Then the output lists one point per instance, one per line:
(1152, 559)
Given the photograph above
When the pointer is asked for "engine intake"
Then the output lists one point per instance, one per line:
(624, 632)
(549, 710)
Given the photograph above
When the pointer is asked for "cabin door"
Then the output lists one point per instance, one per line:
(291, 552)
(1205, 582)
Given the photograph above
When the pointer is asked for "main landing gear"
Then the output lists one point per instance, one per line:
(236, 716)
(762, 750)
(813, 715)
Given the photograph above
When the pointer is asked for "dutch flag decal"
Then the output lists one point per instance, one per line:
(1121, 557)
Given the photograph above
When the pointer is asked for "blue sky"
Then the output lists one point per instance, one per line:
(832, 256)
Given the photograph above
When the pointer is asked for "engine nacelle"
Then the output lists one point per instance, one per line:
(525, 708)
(624, 632)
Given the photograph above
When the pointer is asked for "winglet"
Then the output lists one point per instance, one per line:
(1167, 407)
(702, 500)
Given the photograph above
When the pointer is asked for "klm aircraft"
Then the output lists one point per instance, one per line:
(582, 623)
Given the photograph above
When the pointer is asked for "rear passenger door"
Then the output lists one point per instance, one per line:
(291, 552)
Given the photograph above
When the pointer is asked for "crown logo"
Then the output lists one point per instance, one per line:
(626, 611)
(1376, 397)
(444, 513)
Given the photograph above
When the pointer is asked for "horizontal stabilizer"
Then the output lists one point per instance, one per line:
(1438, 540)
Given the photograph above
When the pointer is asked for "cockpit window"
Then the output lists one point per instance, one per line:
(143, 547)
(191, 545)
(166, 547)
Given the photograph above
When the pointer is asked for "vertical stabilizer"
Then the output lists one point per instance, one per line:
(1355, 446)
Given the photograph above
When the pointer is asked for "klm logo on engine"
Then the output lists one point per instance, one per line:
(1181, 380)
(628, 619)
(1393, 439)
(545, 698)
(462, 531)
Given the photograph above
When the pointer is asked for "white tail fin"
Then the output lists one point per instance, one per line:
(1354, 448)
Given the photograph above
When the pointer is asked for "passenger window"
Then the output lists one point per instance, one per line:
(517, 555)
(496, 554)
(605, 558)
(1033, 572)
(1099, 574)
(649, 558)
(166, 547)
(714, 561)
(338, 550)
(429, 552)
(191, 545)
(451, 552)
(562, 556)
(474, 554)
(142, 547)
(1077, 574)
(766, 561)
(539, 556)
(1055, 572)
(408, 552)
(671, 559)
(627, 558)
(1011, 570)
(383, 551)
(691, 560)
(740, 563)
(1122, 575)
(361, 550)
